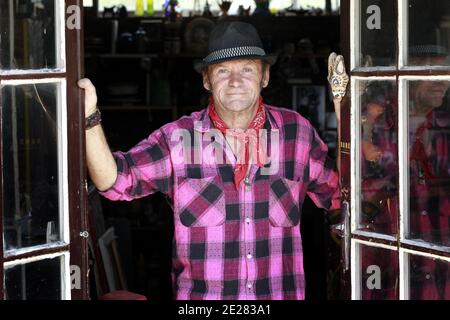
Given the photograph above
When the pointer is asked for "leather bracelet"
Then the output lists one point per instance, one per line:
(93, 120)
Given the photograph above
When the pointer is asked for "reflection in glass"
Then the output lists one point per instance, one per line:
(27, 34)
(40, 280)
(429, 157)
(428, 32)
(429, 279)
(379, 273)
(379, 157)
(30, 165)
(377, 43)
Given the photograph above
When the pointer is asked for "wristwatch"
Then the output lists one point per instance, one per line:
(93, 120)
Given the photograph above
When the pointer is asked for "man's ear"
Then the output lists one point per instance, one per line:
(206, 82)
(265, 75)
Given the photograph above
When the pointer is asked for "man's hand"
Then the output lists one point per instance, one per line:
(337, 77)
(90, 97)
(371, 152)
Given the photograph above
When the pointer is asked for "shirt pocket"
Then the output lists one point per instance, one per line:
(284, 208)
(200, 202)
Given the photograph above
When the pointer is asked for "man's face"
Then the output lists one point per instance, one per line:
(430, 94)
(236, 84)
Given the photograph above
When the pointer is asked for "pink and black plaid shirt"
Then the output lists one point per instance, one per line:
(233, 243)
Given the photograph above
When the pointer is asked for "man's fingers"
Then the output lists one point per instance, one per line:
(86, 84)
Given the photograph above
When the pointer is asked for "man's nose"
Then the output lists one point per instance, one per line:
(235, 79)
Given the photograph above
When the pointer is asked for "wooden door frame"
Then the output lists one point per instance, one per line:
(76, 156)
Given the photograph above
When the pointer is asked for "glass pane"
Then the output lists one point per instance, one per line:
(428, 32)
(30, 164)
(27, 34)
(379, 273)
(429, 156)
(379, 157)
(40, 280)
(377, 40)
(429, 279)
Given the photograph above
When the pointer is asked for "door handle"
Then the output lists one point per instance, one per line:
(343, 230)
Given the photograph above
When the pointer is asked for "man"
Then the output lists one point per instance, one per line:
(429, 174)
(236, 173)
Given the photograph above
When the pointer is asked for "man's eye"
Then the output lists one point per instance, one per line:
(248, 69)
(221, 71)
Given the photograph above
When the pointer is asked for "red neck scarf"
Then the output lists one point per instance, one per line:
(418, 152)
(249, 138)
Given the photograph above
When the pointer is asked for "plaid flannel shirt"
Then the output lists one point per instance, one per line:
(233, 243)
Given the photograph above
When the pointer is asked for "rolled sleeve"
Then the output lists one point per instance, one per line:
(143, 170)
(323, 187)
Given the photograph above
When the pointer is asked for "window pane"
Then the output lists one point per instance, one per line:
(378, 156)
(429, 154)
(40, 280)
(428, 32)
(30, 164)
(429, 279)
(27, 35)
(379, 273)
(377, 40)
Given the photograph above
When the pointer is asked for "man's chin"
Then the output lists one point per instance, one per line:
(237, 105)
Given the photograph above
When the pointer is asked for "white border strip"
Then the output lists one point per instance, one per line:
(424, 78)
(66, 281)
(11, 264)
(383, 78)
(403, 269)
(63, 170)
(60, 34)
(20, 251)
(426, 245)
(403, 157)
(30, 81)
(424, 254)
(402, 28)
(375, 235)
(355, 273)
(375, 244)
(354, 30)
(354, 150)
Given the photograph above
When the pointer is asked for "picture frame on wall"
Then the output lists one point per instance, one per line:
(309, 101)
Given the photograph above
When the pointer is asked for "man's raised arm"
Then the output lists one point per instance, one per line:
(100, 161)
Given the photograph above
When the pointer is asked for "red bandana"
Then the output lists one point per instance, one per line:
(418, 152)
(249, 138)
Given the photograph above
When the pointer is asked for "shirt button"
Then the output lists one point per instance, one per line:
(424, 213)
(249, 285)
(247, 220)
(249, 256)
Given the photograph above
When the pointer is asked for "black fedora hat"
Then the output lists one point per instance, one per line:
(231, 41)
